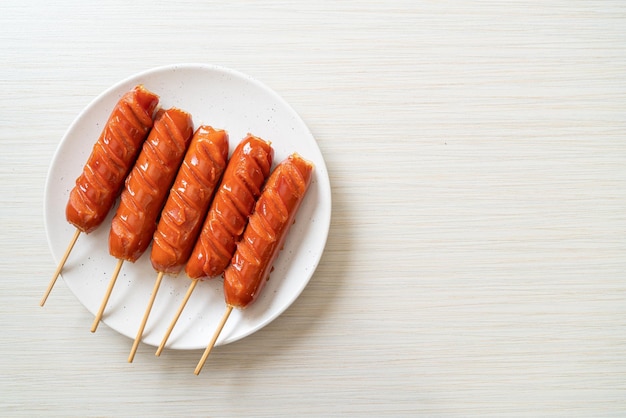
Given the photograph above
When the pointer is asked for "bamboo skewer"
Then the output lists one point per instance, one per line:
(142, 326)
(56, 274)
(216, 335)
(105, 300)
(180, 311)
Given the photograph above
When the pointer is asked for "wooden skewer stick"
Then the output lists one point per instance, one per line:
(116, 272)
(60, 266)
(173, 323)
(206, 353)
(133, 350)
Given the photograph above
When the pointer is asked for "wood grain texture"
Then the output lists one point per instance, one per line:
(476, 258)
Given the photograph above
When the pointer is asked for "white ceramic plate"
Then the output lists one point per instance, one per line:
(224, 99)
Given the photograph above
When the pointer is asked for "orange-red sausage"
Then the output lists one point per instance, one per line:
(245, 174)
(189, 199)
(267, 229)
(148, 183)
(111, 159)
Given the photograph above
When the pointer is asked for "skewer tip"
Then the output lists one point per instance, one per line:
(105, 300)
(57, 272)
(205, 355)
(146, 315)
(178, 313)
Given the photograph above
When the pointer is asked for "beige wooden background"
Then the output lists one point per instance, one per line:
(476, 263)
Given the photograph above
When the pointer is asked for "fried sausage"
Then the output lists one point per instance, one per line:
(189, 199)
(267, 229)
(245, 174)
(148, 183)
(111, 159)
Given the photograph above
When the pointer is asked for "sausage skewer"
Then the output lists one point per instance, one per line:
(146, 189)
(216, 335)
(185, 209)
(180, 310)
(57, 272)
(263, 238)
(111, 158)
(246, 172)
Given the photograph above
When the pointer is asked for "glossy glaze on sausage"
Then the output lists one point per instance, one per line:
(245, 174)
(111, 159)
(267, 229)
(148, 184)
(189, 199)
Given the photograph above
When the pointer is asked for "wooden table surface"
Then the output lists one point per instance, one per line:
(477, 251)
